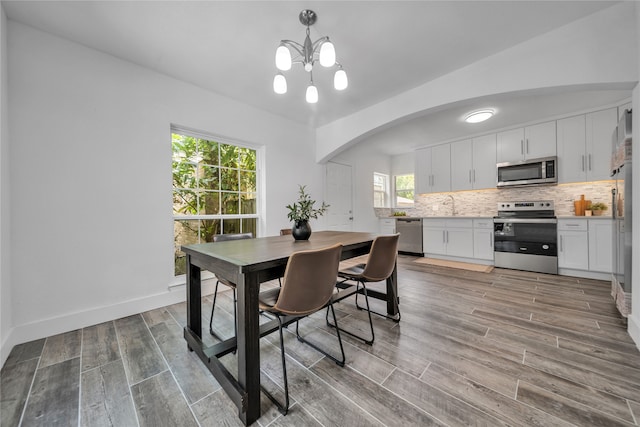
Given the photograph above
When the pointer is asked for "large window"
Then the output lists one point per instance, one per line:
(380, 190)
(214, 191)
(404, 187)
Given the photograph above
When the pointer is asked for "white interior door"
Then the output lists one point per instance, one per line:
(339, 197)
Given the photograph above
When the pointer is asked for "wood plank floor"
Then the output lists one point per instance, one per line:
(484, 349)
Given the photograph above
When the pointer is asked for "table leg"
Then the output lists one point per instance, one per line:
(392, 289)
(194, 299)
(248, 341)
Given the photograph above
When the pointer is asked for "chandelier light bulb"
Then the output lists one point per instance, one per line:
(340, 81)
(283, 58)
(279, 84)
(312, 94)
(327, 54)
(308, 66)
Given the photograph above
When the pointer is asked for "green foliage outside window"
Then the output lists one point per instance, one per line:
(210, 179)
(404, 190)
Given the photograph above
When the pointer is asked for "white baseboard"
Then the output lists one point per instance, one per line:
(633, 327)
(81, 319)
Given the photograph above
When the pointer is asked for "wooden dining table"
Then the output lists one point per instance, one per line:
(247, 263)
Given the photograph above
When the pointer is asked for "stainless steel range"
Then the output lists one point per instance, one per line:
(526, 236)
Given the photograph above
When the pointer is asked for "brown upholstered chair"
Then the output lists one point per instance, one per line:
(308, 286)
(379, 266)
(226, 282)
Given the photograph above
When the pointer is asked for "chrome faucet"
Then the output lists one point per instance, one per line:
(453, 204)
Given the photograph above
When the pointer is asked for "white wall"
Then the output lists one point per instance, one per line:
(403, 164)
(364, 163)
(580, 53)
(90, 202)
(5, 229)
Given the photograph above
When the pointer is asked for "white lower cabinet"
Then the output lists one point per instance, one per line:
(483, 239)
(573, 244)
(601, 245)
(451, 237)
(387, 225)
(585, 244)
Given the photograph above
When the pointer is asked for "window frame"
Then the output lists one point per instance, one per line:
(395, 191)
(259, 214)
(386, 192)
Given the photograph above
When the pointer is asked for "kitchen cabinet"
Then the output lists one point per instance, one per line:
(433, 169)
(451, 237)
(600, 127)
(584, 146)
(483, 239)
(600, 245)
(573, 244)
(585, 244)
(387, 225)
(527, 143)
(473, 163)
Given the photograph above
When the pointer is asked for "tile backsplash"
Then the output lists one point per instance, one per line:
(483, 202)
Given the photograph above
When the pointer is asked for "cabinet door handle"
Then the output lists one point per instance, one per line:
(444, 239)
(474, 175)
(490, 240)
(589, 161)
(561, 238)
(583, 163)
(522, 146)
(469, 175)
(527, 145)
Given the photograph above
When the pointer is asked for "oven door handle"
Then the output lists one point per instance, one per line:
(525, 220)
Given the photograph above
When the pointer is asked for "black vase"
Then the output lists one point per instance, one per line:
(301, 230)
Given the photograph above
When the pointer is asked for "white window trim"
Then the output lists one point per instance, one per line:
(260, 190)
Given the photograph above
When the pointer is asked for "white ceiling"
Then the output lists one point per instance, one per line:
(386, 47)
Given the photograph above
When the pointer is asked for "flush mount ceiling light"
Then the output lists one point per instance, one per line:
(308, 54)
(479, 116)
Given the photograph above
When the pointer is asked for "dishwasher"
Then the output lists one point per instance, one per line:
(410, 230)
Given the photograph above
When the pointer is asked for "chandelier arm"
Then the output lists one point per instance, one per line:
(294, 45)
(319, 42)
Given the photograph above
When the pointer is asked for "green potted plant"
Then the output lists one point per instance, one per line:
(598, 208)
(301, 212)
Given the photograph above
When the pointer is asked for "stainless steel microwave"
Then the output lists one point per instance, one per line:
(528, 172)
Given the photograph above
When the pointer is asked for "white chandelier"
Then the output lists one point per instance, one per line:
(307, 54)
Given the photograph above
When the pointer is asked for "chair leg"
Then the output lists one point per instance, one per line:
(213, 307)
(335, 325)
(235, 316)
(395, 318)
(282, 408)
(339, 362)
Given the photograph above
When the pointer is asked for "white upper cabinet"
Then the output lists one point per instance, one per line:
(473, 163)
(531, 142)
(422, 171)
(433, 169)
(584, 146)
(571, 149)
(462, 165)
(484, 162)
(600, 127)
